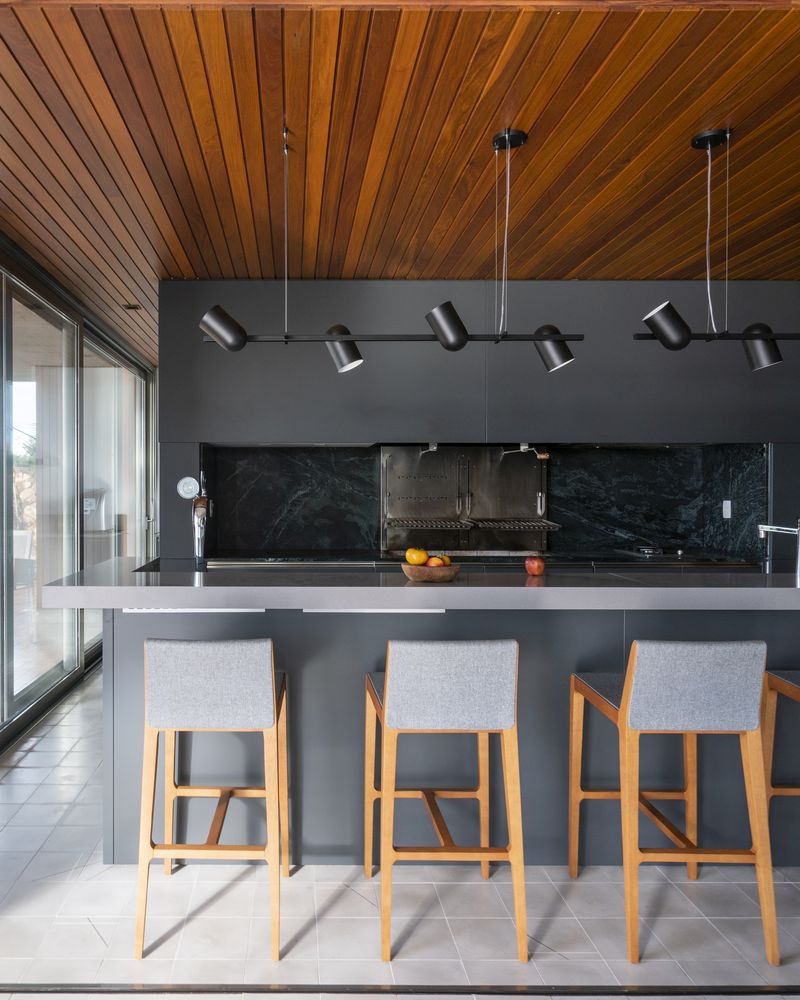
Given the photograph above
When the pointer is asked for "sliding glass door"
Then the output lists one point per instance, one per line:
(40, 537)
(113, 496)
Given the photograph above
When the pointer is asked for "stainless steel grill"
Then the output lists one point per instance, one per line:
(516, 524)
(431, 523)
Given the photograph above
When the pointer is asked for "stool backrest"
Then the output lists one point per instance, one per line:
(695, 686)
(225, 684)
(468, 685)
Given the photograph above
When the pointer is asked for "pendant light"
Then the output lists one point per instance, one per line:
(554, 353)
(346, 355)
(448, 327)
(665, 322)
(223, 329)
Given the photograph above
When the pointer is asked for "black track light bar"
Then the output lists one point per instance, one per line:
(726, 336)
(403, 338)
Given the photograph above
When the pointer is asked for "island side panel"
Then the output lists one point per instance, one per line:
(326, 656)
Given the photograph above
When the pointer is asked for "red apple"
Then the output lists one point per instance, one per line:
(534, 565)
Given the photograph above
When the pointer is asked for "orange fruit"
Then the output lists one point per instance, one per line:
(435, 561)
(445, 559)
(416, 557)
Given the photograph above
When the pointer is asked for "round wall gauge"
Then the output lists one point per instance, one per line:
(188, 488)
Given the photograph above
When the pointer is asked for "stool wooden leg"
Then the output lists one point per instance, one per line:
(370, 726)
(169, 793)
(690, 794)
(758, 808)
(388, 774)
(272, 849)
(483, 795)
(577, 705)
(283, 784)
(768, 727)
(516, 851)
(149, 762)
(629, 803)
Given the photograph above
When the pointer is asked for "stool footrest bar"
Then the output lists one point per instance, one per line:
(232, 852)
(214, 792)
(453, 853)
(709, 855)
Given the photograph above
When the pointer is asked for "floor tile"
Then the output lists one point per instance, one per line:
(466, 900)
(222, 899)
(298, 940)
(62, 970)
(218, 938)
(84, 814)
(368, 972)
(533, 873)
(721, 899)
(129, 970)
(479, 939)
(349, 939)
(787, 897)
(46, 793)
(747, 936)
(14, 794)
(42, 758)
(417, 899)
(424, 939)
(7, 811)
(32, 814)
(502, 973)
(541, 900)
(356, 901)
(52, 866)
(455, 873)
(93, 899)
(26, 775)
(72, 838)
(665, 901)
(692, 939)
(785, 974)
(262, 971)
(577, 973)
(593, 900)
(34, 899)
(736, 972)
(21, 937)
(161, 938)
(610, 939)
(76, 937)
(206, 971)
(14, 863)
(560, 938)
(23, 838)
(649, 973)
(435, 972)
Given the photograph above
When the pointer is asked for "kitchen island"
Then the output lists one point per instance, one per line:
(331, 624)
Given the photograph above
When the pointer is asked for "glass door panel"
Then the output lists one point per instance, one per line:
(41, 646)
(114, 470)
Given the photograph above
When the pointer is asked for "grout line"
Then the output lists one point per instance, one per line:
(602, 958)
(452, 935)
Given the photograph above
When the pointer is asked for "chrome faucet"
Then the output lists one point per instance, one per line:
(774, 529)
(200, 512)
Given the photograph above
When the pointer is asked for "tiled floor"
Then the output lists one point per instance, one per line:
(66, 917)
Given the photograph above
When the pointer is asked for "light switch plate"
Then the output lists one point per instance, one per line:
(726, 509)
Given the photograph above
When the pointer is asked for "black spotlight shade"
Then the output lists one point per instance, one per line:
(346, 356)
(448, 327)
(670, 329)
(224, 329)
(554, 353)
(762, 353)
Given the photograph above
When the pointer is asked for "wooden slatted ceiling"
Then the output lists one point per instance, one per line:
(140, 143)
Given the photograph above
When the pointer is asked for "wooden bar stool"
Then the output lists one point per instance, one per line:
(224, 686)
(787, 683)
(444, 687)
(687, 688)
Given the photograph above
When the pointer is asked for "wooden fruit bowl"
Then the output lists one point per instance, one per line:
(431, 574)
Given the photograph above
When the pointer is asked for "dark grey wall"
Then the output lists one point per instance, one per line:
(616, 391)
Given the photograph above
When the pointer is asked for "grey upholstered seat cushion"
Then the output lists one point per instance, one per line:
(607, 685)
(697, 686)
(469, 685)
(790, 676)
(225, 684)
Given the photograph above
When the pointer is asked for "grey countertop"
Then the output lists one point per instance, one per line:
(176, 586)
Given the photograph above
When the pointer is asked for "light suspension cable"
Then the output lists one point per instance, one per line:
(285, 231)
(708, 242)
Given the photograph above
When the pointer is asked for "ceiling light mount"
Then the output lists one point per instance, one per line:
(509, 138)
(710, 138)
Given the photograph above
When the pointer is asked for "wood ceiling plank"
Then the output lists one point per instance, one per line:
(296, 65)
(28, 231)
(488, 95)
(28, 183)
(374, 74)
(325, 25)
(269, 61)
(22, 133)
(161, 92)
(213, 37)
(435, 45)
(189, 58)
(473, 49)
(546, 168)
(410, 35)
(63, 50)
(98, 50)
(352, 48)
(116, 33)
(660, 165)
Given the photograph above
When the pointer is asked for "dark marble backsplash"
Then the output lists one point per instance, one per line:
(282, 499)
(608, 498)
